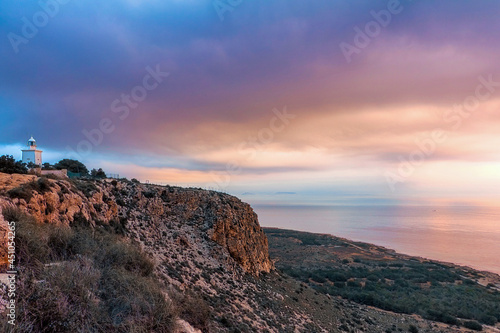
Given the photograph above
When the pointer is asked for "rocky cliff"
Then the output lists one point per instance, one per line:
(206, 246)
(222, 218)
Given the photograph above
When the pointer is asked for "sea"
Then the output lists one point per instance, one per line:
(464, 235)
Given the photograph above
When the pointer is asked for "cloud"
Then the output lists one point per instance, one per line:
(227, 76)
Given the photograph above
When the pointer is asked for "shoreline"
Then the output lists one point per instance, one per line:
(484, 277)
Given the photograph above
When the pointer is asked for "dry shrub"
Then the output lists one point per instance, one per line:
(192, 309)
(60, 298)
(84, 280)
(135, 303)
(119, 254)
(25, 191)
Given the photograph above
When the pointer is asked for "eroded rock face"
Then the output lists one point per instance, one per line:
(213, 216)
(235, 226)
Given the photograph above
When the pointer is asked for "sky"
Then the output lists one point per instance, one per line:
(299, 102)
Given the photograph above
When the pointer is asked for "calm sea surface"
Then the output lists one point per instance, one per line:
(463, 235)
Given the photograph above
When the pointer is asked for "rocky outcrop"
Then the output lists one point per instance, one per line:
(235, 226)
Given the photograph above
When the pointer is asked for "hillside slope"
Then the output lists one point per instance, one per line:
(204, 244)
(373, 275)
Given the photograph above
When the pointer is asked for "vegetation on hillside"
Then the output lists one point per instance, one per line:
(430, 289)
(77, 277)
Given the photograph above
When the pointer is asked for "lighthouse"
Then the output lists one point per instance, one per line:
(31, 154)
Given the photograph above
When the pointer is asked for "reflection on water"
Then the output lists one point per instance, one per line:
(463, 235)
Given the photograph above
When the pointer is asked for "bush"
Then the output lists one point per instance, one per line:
(100, 174)
(135, 303)
(104, 284)
(473, 325)
(119, 254)
(192, 309)
(25, 191)
(413, 329)
(64, 300)
(31, 241)
(73, 166)
(488, 320)
(85, 186)
(12, 214)
(59, 241)
(353, 284)
(9, 165)
(21, 193)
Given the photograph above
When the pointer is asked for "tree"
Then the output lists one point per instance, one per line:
(9, 165)
(47, 166)
(31, 165)
(72, 166)
(98, 173)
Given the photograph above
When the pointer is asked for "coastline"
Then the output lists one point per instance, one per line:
(466, 236)
(377, 252)
(383, 279)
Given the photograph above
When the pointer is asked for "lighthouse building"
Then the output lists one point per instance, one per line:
(31, 154)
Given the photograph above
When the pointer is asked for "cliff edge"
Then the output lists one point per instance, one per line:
(222, 218)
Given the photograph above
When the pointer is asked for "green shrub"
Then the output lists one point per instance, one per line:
(488, 320)
(353, 284)
(59, 241)
(119, 254)
(12, 214)
(87, 187)
(132, 302)
(25, 191)
(72, 166)
(21, 193)
(473, 325)
(31, 242)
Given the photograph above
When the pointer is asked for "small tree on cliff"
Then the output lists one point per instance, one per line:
(72, 166)
(9, 165)
(47, 166)
(98, 173)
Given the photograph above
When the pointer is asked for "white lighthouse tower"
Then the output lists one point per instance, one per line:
(32, 155)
